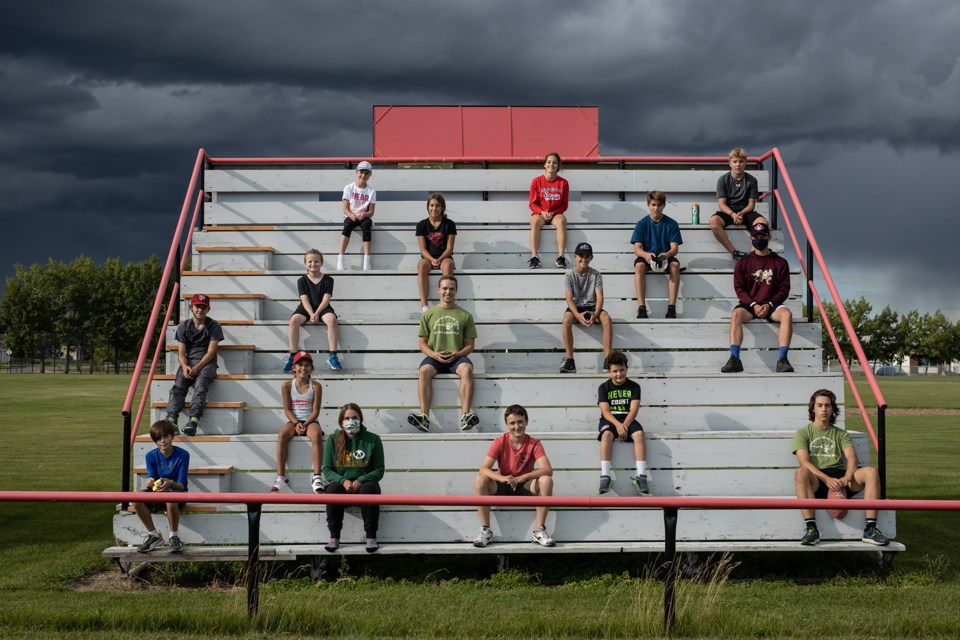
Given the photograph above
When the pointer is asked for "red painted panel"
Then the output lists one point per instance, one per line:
(496, 132)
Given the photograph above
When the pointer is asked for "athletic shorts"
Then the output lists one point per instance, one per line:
(366, 227)
(591, 308)
(749, 310)
(300, 311)
(504, 489)
(823, 490)
(446, 368)
(748, 218)
(639, 260)
(161, 507)
(606, 425)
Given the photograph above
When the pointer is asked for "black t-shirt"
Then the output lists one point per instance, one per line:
(436, 237)
(315, 292)
(619, 398)
(738, 193)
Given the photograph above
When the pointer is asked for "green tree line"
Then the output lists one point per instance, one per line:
(888, 337)
(96, 309)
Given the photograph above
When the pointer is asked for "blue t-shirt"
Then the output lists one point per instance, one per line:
(656, 236)
(175, 467)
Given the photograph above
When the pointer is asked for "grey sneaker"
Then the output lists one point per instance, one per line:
(811, 536)
(419, 420)
(175, 545)
(733, 365)
(190, 429)
(640, 485)
(874, 536)
(534, 262)
(150, 542)
(784, 366)
(468, 421)
(482, 540)
(605, 484)
(333, 545)
(568, 366)
(541, 537)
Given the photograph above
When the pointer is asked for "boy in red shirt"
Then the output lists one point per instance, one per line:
(515, 454)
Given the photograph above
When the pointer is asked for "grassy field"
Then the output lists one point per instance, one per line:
(64, 431)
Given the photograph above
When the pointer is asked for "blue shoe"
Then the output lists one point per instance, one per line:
(811, 537)
(288, 368)
(334, 362)
(874, 536)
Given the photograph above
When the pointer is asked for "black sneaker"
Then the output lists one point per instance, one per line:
(671, 311)
(534, 262)
(190, 429)
(568, 366)
(642, 313)
(739, 255)
(733, 365)
(419, 420)
(784, 366)
(150, 543)
(561, 262)
(175, 545)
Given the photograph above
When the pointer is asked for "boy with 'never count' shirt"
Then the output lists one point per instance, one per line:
(619, 401)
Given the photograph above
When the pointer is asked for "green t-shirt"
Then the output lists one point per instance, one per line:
(447, 329)
(825, 446)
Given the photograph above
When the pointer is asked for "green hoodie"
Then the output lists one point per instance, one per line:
(362, 459)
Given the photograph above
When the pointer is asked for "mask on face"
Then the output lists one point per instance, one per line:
(351, 426)
(760, 243)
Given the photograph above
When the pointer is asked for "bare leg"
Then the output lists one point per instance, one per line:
(333, 332)
(606, 446)
(673, 285)
(542, 486)
(737, 318)
(716, 225)
(784, 316)
(287, 431)
(143, 512)
(293, 332)
(560, 222)
(805, 484)
(173, 516)
(465, 371)
(640, 283)
(607, 324)
(639, 447)
(568, 321)
(483, 486)
(344, 241)
(315, 433)
(425, 388)
(536, 223)
(423, 280)
(867, 479)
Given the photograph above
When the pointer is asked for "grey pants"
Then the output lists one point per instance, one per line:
(200, 384)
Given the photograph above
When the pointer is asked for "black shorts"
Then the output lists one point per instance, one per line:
(823, 490)
(670, 260)
(748, 218)
(504, 489)
(441, 367)
(366, 226)
(605, 425)
(303, 312)
(591, 308)
(161, 507)
(749, 310)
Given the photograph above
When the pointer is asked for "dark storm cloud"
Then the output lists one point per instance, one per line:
(104, 104)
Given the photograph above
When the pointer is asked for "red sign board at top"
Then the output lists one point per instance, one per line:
(484, 132)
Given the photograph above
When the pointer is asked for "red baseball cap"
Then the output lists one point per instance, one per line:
(200, 299)
(302, 355)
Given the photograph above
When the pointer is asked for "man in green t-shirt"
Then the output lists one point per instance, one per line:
(828, 465)
(447, 336)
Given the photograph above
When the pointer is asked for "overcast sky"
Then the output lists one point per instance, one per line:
(104, 104)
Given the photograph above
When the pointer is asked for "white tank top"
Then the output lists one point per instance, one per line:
(302, 404)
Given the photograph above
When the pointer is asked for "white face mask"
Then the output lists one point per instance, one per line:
(351, 426)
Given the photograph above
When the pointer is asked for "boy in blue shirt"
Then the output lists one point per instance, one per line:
(167, 468)
(656, 241)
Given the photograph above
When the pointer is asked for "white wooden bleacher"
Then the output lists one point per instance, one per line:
(709, 434)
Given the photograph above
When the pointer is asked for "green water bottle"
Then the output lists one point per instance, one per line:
(695, 213)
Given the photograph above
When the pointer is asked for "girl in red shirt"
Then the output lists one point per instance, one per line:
(549, 196)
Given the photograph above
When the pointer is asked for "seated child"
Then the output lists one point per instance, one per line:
(619, 400)
(656, 242)
(436, 235)
(549, 197)
(302, 398)
(515, 453)
(198, 339)
(584, 292)
(737, 194)
(359, 202)
(167, 468)
(315, 290)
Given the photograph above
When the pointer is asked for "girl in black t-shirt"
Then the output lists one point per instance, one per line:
(436, 235)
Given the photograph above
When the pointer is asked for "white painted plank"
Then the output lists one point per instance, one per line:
(605, 179)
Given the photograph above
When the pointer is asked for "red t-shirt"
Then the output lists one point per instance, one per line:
(515, 462)
(548, 196)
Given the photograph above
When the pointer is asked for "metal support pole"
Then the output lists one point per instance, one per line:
(774, 205)
(670, 575)
(882, 449)
(176, 279)
(253, 558)
(125, 480)
(200, 217)
(809, 280)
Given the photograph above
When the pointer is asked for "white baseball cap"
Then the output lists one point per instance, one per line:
(365, 166)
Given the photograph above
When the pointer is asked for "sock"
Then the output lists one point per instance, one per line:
(871, 523)
(605, 466)
(641, 467)
(340, 262)
(174, 534)
(811, 522)
(155, 533)
(366, 263)
(280, 476)
(783, 352)
(485, 527)
(735, 351)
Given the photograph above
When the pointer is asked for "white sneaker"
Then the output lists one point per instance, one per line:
(482, 540)
(340, 266)
(541, 537)
(318, 484)
(280, 484)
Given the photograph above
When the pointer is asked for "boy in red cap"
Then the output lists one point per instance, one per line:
(198, 339)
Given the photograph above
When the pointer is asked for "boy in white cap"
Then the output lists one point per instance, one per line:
(359, 202)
